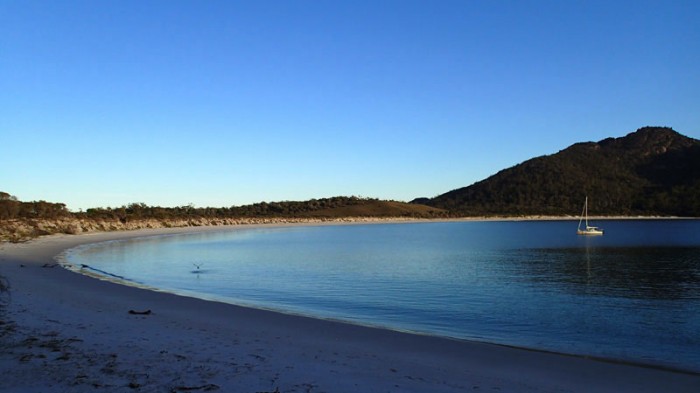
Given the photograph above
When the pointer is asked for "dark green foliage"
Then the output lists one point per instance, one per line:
(653, 171)
(298, 209)
(335, 207)
(318, 208)
(11, 208)
(138, 211)
(325, 207)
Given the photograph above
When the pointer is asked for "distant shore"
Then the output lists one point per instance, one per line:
(63, 331)
(21, 230)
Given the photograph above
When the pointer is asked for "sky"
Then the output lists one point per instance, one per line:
(222, 103)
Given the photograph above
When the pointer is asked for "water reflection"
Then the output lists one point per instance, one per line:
(645, 273)
(631, 294)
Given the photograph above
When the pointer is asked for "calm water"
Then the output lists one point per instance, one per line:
(633, 294)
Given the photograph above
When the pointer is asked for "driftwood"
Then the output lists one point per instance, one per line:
(133, 312)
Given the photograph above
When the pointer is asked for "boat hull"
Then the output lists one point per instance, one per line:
(589, 232)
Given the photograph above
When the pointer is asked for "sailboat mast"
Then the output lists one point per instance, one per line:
(587, 230)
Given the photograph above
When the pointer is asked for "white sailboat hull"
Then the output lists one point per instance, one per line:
(590, 231)
(587, 229)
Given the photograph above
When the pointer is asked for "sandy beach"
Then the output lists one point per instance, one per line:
(65, 332)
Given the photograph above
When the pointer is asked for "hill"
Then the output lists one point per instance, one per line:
(652, 171)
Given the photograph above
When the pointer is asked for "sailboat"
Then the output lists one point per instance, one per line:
(588, 230)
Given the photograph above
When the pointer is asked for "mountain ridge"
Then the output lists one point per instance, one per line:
(651, 171)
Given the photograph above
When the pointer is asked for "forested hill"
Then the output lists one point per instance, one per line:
(652, 171)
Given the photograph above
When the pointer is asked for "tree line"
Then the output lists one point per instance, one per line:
(11, 208)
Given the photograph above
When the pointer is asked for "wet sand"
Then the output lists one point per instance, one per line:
(61, 331)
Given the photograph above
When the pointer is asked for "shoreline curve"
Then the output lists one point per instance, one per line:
(186, 342)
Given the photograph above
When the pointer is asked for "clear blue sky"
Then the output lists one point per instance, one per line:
(220, 103)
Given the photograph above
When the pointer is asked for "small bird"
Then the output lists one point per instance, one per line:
(197, 265)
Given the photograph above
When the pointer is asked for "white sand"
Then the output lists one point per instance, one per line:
(64, 332)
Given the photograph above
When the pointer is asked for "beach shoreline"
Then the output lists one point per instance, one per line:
(64, 331)
(22, 230)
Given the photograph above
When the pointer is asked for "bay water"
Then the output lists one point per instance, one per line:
(632, 294)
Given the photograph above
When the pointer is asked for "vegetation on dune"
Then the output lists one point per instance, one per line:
(11, 208)
(324, 208)
(20, 221)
